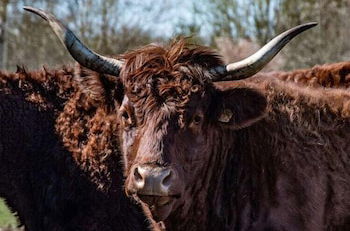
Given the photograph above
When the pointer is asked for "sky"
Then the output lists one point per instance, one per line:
(177, 11)
(149, 13)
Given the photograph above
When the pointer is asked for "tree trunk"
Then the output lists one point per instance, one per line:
(3, 16)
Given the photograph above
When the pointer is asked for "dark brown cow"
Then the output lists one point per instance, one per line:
(264, 154)
(60, 165)
(207, 156)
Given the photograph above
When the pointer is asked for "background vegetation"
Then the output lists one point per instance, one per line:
(7, 219)
(236, 28)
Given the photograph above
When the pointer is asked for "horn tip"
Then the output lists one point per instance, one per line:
(36, 11)
(310, 24)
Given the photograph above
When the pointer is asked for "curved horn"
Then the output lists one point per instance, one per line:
(254, 63)
(77, 49)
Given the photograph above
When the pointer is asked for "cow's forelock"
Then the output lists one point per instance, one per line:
(163, 102)
(154, 75)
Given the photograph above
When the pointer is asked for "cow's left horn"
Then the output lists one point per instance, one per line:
(254, 63)
(77, 49)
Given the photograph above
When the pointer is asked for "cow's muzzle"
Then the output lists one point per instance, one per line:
(158, 187)
(154, 181)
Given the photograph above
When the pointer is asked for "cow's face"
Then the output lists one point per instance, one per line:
(171, 120)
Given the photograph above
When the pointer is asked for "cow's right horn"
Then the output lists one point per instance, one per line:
(77, 49)
(254, 63)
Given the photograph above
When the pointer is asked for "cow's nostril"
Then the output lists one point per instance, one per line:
(137, 175)
(167, 179)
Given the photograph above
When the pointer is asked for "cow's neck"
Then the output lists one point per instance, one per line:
(276, 157)
(244, 179)
(209, 204)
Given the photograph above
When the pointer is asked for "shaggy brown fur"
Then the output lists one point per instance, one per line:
(60, 164)
(329, 75)
(281, 162)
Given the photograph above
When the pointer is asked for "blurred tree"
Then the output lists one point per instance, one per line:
(3, 41)
(249, 19)
(113, 26)
(191, 29)
(264, 23)
(30, 41)
(226, 17)
(238, 28)
(326, 43)
(258, 21)
(99, 24)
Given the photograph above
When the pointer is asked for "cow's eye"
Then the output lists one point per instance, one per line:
(197, 119)
(125, 115)
(126, 119)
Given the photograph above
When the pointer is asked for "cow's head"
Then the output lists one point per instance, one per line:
(172, 115)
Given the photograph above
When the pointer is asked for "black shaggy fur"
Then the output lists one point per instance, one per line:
(60, 167)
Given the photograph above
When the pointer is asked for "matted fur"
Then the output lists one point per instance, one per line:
(328, 75)
(166, 74)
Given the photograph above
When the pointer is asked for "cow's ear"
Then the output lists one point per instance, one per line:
(89, 83)
(98, 88)
(239, 107)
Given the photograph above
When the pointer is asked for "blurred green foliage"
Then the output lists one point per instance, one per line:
(7, 219)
